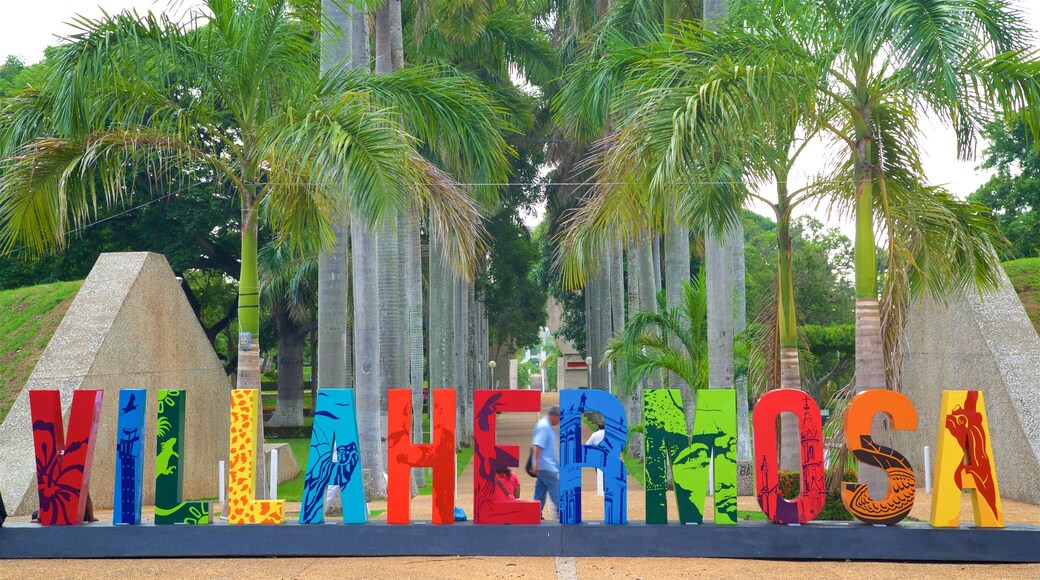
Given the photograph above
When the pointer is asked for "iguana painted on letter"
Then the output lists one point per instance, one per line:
(162, 460)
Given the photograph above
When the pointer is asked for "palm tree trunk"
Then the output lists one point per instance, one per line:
(440, 366)
(314, 368)
(291, 338)
(248, 279)
(718, 265)
(412, 250)
(744, 451)
(458, 378)
(655, 247)
(617, 300)
(633, 400)
(647, 291)
(249, 318)
(471, 359)
(368, 373)
(676, 270)
(870, 359)
(790, 440)
(333, 268)
(605, 315)
(394, 340)
(368, 378)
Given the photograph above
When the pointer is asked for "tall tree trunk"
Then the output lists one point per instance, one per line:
(411, 244)
(870, 357)
(395, 343)
(314, 369)
(249, 318)
(367, 372)
(334, 268)
(248, 279)
(655, 247)
(744, 451)
(790, 439)
(633, 400)
(291, 338)
(605, 315)
(646, 295)
(617, 301)
(440, 311)
(718, 265)
(676, 271)
(471, 359)
(459, 351)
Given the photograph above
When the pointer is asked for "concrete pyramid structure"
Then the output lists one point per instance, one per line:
(985, 343)
(130, 326)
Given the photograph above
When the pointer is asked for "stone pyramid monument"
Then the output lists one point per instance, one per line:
(130, 326)
(985, 343)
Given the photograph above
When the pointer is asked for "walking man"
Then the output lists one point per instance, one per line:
(545, 459)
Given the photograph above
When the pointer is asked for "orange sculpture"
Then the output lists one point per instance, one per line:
(902, 486)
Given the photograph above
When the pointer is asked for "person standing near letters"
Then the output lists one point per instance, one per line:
(595, 439)
(545, 459)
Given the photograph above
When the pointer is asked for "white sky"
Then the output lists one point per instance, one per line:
(26, 28)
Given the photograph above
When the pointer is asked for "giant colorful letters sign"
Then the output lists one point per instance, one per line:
(126, 498)
(964, 460)
(902, 486)
(169, 451)
(243, 507)
(574, 454)
(402, 455)
(809, 502)
(487, 457)
(714, 433)
(334, 460)
(63, 460)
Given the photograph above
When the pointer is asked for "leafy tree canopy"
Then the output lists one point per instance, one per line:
(822, 270)
(508, 287)
(1014, 192)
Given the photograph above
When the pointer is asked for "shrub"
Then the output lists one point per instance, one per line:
(833, 508)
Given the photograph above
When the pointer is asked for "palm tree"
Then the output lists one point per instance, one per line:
(490, 40)
(288, 294)
(231, 96)
(334, 364)
(890, 60)
(235, 96)
(647, 345)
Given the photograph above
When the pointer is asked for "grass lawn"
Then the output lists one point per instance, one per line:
(1025, 277)
(292, 490)
(634, 467)
(755, 516)
(31, 315)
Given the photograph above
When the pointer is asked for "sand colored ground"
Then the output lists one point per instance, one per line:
(515, 429)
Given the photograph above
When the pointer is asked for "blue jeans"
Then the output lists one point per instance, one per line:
(548, 483)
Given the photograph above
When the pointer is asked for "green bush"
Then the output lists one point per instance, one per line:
(833, 508)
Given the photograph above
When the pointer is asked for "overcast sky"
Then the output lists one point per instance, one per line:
(26, 28)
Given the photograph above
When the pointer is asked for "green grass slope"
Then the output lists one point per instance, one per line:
(31, 315)
(1025, 277)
